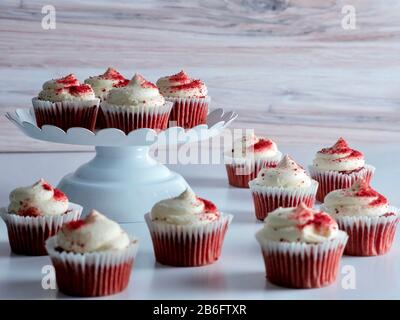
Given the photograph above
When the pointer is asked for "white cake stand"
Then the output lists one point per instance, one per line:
(123, 181)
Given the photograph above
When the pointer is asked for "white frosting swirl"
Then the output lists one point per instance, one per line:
(253, 147)
(185, 209)
(180, 85)
(339, 157)
(92, 234)
(287, 174)
(358, 200)
(301, 224)
(138, 93)
(102, 84)
(66, 89)
(40, 199)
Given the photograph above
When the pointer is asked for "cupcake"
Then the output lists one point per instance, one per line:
(366, 216)
(187, 231)
(66, 103)
(92, 257)
(286, 185)
(34, 214)
(247, 157)
(301, 247)
(338, 167)
(135, 106)
(189, 98)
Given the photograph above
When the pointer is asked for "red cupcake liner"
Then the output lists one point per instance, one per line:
(129, 120)
(92, 274)
(27, 235)
(191, 247)
(237, 176)
(267, 199)
(296, 265)
(331, 180)
(188, 112)
(369, 236)
(66, 114)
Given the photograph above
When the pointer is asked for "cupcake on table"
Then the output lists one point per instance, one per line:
(247, 157)
(34, 214)
(66, 103)
(135, 106)
(286, 185)
(189, 97)
(301, 247)
(366, 216)
(338, 167)
(92, 257)
(187, 231)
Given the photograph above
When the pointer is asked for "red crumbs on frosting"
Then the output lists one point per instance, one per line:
(321, 220)
(122, 83)
(187, 86)
(59, 195)
(29, 212)
(73, 225)
(80, 89)
(209, 207)
(69, 80)
(342, 147)
(262, 144)
(306, 217)
(179, 77)
(47, 186)
(112, 74)
(365, 190)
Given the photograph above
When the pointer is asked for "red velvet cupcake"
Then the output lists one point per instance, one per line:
(36, 213)
(135, 106)
(65, 103)
(247, 157)
(338, 167)
(187, 231)
(92, 257)
(189, 98)
(301, 247)
(366, 216)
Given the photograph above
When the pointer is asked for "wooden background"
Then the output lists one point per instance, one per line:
(286, 66)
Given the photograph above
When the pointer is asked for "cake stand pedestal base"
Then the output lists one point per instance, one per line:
(122, 182)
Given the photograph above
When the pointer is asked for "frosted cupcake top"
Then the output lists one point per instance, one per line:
(339, 157)
(39, 199)
(358, 200)
(253, 147)
(138, 93)
(103, 83)
(180, 85)
(287, 174)
(298, 224)
(92, 234)
(67, 88)
(185, 209)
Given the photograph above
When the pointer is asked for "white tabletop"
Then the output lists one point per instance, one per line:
(239, 274)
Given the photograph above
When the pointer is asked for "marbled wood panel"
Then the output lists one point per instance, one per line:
(287, 67)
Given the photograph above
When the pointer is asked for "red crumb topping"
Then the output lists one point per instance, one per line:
(321, 220)
(342, 147)
(73, 225)
(47, 186)
(29, 212)
(80, 89)
(263, 144)
(302, 213)
(143, 82)
(69, 80)
(365, 190)
(112, 74)
(187, 86)
(122, 83)
(306, 217)
(389, 214)
(179, 77)
(209, 207)
(59, 195)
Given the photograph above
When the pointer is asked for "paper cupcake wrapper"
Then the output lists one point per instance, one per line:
(27, 235)
(333, 180)
(127, 119)
(66, 114)
(369, 236)
(188, 112)
(92, 274)
(302, 265)
(188, 246)
(267, 199)
(241, 171)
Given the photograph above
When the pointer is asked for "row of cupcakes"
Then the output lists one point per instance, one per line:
(94, 256)
(112, 101)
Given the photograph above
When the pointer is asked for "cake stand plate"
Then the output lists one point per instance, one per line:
(122, 181)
